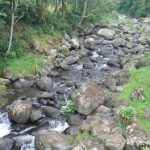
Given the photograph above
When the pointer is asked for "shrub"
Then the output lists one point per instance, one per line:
(68, 108)
(126, 114)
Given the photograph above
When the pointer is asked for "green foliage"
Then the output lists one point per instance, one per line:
(68, 108)
(126, 114)
(2, 88)
(139, 78)
(82, 136)
(64, 50)
(146, 148)
(136, 8)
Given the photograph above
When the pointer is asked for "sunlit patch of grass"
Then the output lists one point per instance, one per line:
(25, 65)
(139, 79)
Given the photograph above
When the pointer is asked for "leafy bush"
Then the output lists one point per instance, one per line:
(68, 108)
(126, 114)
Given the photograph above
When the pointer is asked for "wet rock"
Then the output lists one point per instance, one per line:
(108, 34)
(20, 111)
(44, 83)
(113, 63)
(43, 101)
(51, 140)
(87, 65)
(75, 44)
(89, 43)
(88, 97)
(115, 141)
(119, 42)
(36, 115)
(75, 120)
(64, 66)
(142, 63)
(6, 144)
(46, 95)
(51, 112)
(70, 60)
(138, 94)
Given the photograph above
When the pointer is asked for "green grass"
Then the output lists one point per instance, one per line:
(81, 136)
(139, 79)
(2, 88)
(25, 65)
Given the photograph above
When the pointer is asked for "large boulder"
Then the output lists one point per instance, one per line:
(51, 141)
(115, 141)
(106, 33)
(6, 144)
(36, 115)
(20, 111)
(44, 83)
(88, 97)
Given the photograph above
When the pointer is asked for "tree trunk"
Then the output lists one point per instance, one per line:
(63, 8)
(84, 13)
(56, 8)
(12, 27)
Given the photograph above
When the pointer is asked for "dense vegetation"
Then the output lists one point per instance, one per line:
(135, 8)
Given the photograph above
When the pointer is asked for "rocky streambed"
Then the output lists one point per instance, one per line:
(88, 67)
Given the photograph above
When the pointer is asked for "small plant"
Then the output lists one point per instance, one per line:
(68, 108)
(82, 136)
(64, 50)
(126, 114)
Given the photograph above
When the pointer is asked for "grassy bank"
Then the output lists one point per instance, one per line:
(139, 79)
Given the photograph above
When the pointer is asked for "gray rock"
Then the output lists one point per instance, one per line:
(75, 120)
(147, 114)
(88, 97)
(113, 62)
(142, 63)
(51, 111)
(119, 42)
(20, 111)
(6, 144)
(51, 141)
(75, 44)
(108, 34)
(136, 138)
(44, 83)
(17, 85)
(138, 94)
(70, 60)
(87, 65)
(99, 125)
(36, 115)
(4, 81)
(89, 43)
(115, 141)
(46, 95)
(26, 83)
